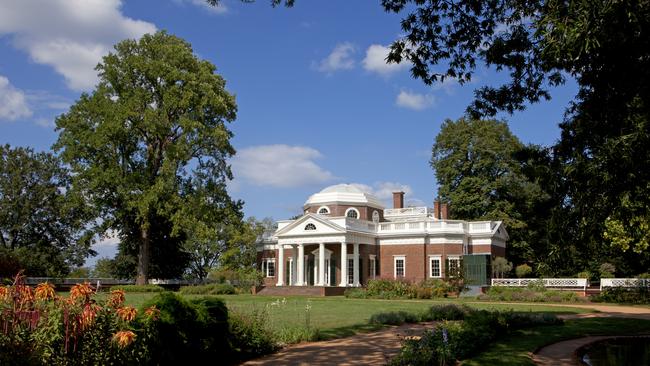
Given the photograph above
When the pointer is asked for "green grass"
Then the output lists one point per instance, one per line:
(515, 348)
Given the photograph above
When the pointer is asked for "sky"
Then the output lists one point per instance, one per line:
(317, 103)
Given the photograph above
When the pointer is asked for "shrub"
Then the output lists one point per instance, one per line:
(523, 270)
(394, 318)
(356, 293)
(190, 331)
(139, 288)
(453, 341)
(607, 270)
(390, 289)
(634, 295)
(210, 289)
(250, 334)
(447, 312)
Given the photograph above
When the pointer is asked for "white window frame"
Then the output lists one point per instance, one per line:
(265, 266)
(435, 258)
(350, 273)
(455, 258)
(375, 216)
(308, 225)
(323, 207)
(355, 210)
(398, 258)
(372, 267)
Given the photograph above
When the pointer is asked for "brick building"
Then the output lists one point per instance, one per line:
(346, 237)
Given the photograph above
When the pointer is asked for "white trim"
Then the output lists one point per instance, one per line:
(372, 266)
(265, 266)
(355, 210)
(439, 259)
(375, 216)
(323, 207)
(395, 259)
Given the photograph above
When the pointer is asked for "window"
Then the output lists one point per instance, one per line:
(372, 267)
(453, 266)
(400, 266)
(268, 267)
(352, 212)
(323, 210)
(350, 270)
(310, 226)
(375, 216)
(434, 265)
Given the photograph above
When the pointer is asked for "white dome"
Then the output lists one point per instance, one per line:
(344, 193)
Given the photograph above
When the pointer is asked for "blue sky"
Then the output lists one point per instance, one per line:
(317, 104)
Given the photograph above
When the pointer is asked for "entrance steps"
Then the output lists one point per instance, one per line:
(299, 291)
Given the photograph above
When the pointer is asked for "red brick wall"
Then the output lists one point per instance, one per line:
(415, 261)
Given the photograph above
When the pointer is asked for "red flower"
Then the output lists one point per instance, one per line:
(45, 291)
(123, 338)
(127, 313)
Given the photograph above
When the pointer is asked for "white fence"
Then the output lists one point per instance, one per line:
(547, 282)
(624, 282)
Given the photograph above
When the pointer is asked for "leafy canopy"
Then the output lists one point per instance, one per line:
(150, 136)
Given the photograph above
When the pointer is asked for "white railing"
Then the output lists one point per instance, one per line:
(547, 282)
(624, 282)
(407, 211)
(479, 226)
(357, 224)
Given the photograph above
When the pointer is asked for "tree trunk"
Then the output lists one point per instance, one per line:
(143, 256)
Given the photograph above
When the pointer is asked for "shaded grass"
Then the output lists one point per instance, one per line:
(515, 348)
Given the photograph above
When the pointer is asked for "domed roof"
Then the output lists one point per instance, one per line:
(344, 193)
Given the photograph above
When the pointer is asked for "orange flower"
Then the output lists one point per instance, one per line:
(4, 293)
(88, 316)
(117, 299)
(123, 338)
(127, 313)
(152, 313)
(25, 293)
(81, 291)
(45, 291)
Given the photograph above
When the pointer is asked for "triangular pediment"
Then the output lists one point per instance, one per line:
(301, 226)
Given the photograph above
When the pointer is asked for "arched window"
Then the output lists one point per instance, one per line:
(310, 226)
(323, 210)
(352, 212)
(375, 216)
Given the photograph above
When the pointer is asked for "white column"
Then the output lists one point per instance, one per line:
(356, 265)
(321, 264)
(301, 265)
(344, 265)
(294, 265)
(280, 266)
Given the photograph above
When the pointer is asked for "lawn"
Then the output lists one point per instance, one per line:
(515, 348)
(337, 317)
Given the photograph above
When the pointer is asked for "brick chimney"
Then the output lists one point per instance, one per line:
(440, 210)
(398, 199)
(444, 211)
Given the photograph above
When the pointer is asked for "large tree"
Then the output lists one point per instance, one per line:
(151, 134)
(479, 174)
(42, 223)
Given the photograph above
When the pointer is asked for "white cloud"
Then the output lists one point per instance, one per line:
(375, 61)
(339, 59)
(280, 166)
(220, 8)
(384, 190)
(13, 103)
(415, 101)
(69, 35)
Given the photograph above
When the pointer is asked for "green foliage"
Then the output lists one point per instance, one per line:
(251, 336)
(80, 272)
(394, 318)
(139, 288)
(447, 312)
(453, 341)
(532, 294)
(189, 331)
(209, 289)
(390, 289)
(149, 145)
(104, 268)
(396, 289)
(42, 223)
(622, 295)
(356, 293)
(242, 278)
(523, 270)
(500, 267)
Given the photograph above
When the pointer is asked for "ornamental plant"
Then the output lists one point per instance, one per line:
(37, 326)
